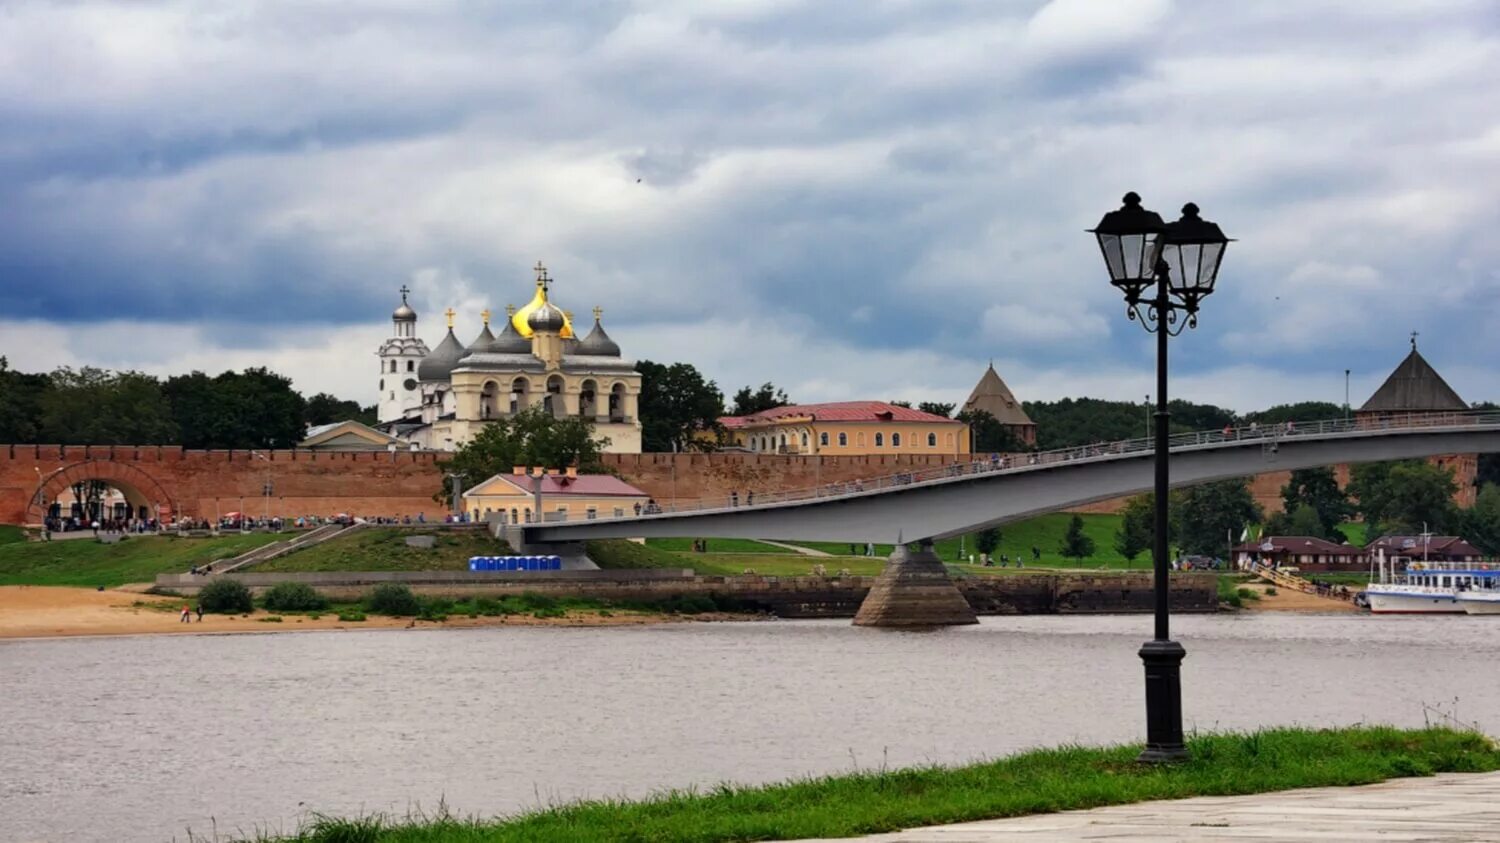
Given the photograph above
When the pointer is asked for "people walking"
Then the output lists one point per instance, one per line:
(200, 613)
(186, 614)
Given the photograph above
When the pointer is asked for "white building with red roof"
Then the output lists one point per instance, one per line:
(847, 428)
(568, 496)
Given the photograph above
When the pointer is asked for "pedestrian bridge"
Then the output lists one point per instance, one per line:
(948, 501)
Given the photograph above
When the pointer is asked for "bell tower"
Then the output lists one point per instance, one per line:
(400, 394)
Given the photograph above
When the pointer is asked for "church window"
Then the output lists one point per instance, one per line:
(823, 439)
(895, 440)
(783, 441)
(879, 440)
(382, 384)
(393, 365)
(804, 441)
(393, 396)
(411, 366)
(408, 384)
(843, 440)
(932, 440)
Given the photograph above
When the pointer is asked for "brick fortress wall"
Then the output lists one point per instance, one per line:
(200, 483)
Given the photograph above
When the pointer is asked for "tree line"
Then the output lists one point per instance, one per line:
(256, 408)
(1390, 498)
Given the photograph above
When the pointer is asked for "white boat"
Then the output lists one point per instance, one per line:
(1480, 601)
(1413, 586)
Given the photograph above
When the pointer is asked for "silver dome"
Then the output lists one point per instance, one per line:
(438, 365)
(509, 341)
(598, 343)
(547, 317)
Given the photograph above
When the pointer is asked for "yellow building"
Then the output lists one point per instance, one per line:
(847, 428)
(565, 497)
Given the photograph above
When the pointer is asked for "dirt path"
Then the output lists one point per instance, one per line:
(1287, 600)
(49, 612)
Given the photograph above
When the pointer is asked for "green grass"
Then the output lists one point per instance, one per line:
(83, 562)
(1043, 781)
(9, 534)
(619, 554)
(717, 546)
(385, 549)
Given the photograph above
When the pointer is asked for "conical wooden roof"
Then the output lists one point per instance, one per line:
(1414, 386)
(994, 397)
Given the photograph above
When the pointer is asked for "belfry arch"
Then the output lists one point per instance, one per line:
(139, 488)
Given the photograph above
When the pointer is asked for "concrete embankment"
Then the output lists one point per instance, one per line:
(787, 597)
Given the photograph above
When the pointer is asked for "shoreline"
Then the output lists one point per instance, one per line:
(36, 612)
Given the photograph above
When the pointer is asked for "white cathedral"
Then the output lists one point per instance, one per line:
(439, 399)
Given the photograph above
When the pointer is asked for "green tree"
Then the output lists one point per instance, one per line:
(533, 438)
(1137, 527)
(1318, 489)
(937, 408)
(1482, 521)
(256, 408)
(1400, 497)
(1076, 544)
(1208, 517)
(1303, 521)
(101, 407)
(327, 409)
(988, 435)
(677, 405)
(1304, 411)
(748, 401)
(21, 404)
(986, 541)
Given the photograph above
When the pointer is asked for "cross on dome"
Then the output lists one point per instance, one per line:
(598, 312)
(541, 275)
(404, 291)
(1414, 336)
(450, 313)
(485, 315)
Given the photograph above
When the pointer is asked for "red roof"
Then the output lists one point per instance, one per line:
(584, 485)
(845, 411)
(1299, 544)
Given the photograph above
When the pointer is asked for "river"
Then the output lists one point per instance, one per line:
(144, 738)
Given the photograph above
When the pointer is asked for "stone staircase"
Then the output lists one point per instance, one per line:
(274, 550)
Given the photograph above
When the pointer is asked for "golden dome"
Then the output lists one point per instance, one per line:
(518, 319)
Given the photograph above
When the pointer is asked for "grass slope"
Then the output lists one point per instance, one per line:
(1035, 782)
(9, 534)
(718, 546)
(83, 562)
(385, 549)
(1045, 533)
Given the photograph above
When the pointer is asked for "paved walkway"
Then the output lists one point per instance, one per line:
(805, 551)
(1449, 808)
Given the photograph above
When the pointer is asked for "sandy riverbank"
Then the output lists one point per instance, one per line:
(51, 612)
(1287, 600)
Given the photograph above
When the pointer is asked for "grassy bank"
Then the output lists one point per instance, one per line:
(84, 562)
(385, 549)
(1035, 782)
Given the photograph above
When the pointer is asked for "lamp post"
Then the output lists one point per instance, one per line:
(1180, 260)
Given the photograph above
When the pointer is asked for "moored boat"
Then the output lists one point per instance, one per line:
(1409, 586)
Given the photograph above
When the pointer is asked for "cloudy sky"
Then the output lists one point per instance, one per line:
(855, 200)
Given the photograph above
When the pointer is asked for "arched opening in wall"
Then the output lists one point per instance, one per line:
(588, 399)
(617, 402)
(520, 394)
(115, 494)
(553, 401)
(804, 440)
(489, 400)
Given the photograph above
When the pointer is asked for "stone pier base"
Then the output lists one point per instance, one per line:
(914, 590)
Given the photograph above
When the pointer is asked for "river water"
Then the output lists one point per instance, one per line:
(144, 738)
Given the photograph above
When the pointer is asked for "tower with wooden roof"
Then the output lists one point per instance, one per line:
(1416, 390)
(992, 396)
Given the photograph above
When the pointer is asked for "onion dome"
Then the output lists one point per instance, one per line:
(438, 365)
(509, 341)
(482, 342)
(547, 318)
(404, 313)
(598, 343)
(520, 318)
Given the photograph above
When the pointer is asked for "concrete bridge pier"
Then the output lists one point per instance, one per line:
(914, 590)
(574, 554)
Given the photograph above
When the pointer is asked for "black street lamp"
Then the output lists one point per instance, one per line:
(1182, 260)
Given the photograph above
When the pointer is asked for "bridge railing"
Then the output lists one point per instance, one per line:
(1270, 435)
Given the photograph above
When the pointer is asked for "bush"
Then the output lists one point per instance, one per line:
(351, 617)
(393, 599)
(1270, 591)
(294, 597)
(226, 596)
